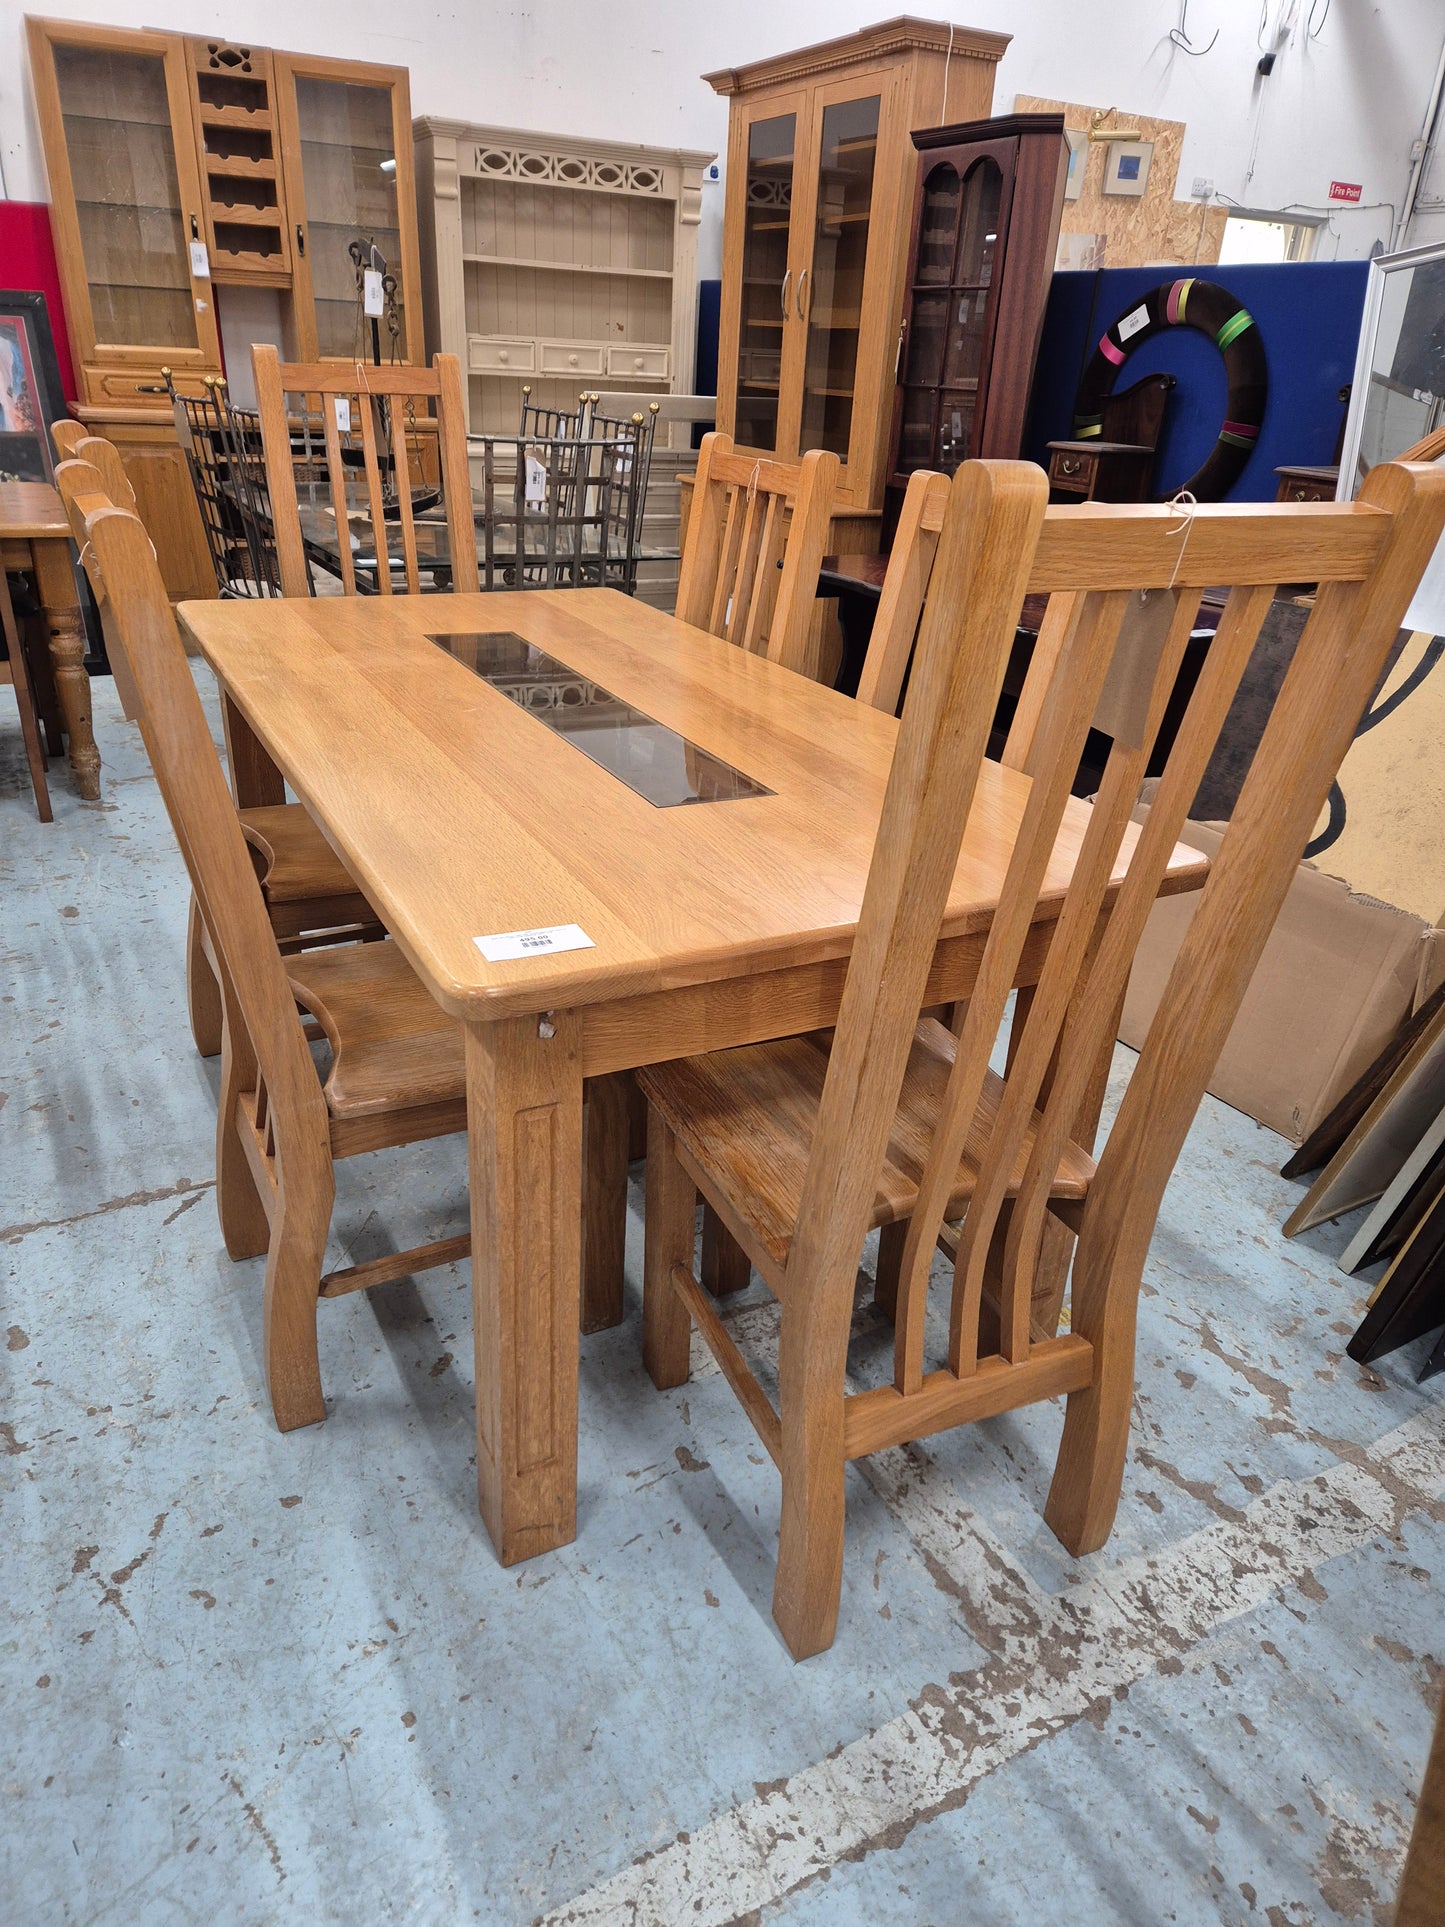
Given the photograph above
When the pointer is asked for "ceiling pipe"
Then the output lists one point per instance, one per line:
(1423, 146)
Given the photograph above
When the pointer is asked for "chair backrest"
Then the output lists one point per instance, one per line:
(557, 512)
(262, 1027)
(536, 419)
(634, 435)
(739, 533)
(104, 457)
(65, 434)
(375, 410)
(1136, 414)
(83, 488)
(905, 590)
(1130, 579)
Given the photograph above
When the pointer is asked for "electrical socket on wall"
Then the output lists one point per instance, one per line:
(1203, 188)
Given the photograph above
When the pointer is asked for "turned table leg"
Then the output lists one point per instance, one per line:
(55, 580)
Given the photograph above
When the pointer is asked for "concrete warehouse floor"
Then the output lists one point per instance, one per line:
(263, 1678)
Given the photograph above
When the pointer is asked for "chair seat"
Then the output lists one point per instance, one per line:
(300, 863)
(393, 1047)
(748, 1117)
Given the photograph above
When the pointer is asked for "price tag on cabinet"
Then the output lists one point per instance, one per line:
(200, 261)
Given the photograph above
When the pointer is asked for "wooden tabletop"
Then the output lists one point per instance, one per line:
(462, 815)
(31, 511)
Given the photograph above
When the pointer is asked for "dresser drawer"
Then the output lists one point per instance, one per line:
(1071, 471)
(490, 355)
(572, 358)
(653, 364)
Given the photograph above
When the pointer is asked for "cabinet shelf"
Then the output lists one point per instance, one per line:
(564, 267)
(257, 119)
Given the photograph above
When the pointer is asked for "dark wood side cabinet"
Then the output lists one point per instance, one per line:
(986, 215)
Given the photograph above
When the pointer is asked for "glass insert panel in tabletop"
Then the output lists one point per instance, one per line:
(348, 171)
(660, 766)
(127, 197)
(767, 213)
(834, 302)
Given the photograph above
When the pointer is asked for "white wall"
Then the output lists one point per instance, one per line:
(1343, 106)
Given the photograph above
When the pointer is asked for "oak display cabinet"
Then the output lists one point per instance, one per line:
(820, 187)
(195, 182)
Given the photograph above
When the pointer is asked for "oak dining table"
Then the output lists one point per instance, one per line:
(603, 839)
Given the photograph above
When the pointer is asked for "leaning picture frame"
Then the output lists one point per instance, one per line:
(31, 396)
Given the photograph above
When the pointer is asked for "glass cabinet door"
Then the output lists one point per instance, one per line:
(767, 278)
(830, 287)
(115, 109)
(951, 313)
(343, 140)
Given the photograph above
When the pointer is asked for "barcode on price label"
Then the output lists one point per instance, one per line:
(511, 944)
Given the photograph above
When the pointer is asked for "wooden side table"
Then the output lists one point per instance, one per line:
(35, 536)
(1099, 471)
(1307, 484)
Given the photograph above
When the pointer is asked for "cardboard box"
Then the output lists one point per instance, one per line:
(1339, 975)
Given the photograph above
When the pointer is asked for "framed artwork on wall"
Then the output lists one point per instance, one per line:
(31, 397)
(1126, 167)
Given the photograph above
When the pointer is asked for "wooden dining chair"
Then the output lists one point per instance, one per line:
(756, 536)
(802, 1148)
(309, 894)
(350, 417)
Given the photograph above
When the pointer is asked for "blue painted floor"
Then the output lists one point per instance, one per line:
(256, 1678)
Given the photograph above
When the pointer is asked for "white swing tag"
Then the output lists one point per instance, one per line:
(200, 261)
(343, 415)
(536, 483)
(511, 944)
(1136, 319)
(371, 293)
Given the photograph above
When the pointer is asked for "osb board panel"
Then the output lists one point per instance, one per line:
(1156, 229)
(1392, 788)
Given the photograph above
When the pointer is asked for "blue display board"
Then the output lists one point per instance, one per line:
(1308, 315)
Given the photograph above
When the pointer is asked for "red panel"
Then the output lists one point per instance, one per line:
(27, 260)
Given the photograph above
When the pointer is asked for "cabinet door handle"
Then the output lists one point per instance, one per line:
(786, 279)
(300, 238)
(898, 353)
(802, 283)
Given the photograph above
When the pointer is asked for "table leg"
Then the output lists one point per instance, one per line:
(24, 701)
(55, 581)
(255, 779)
(524, 1127)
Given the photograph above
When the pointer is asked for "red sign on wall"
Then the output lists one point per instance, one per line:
(1344, 190)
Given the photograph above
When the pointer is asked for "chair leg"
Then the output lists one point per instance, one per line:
(203, 993)
(1089, 1472)
(293, 1282)
(891, 1240)
(25, 703)
(671, 1220)
(726, 1267)
(245, 1223)
(809, 1581)
(604, 1199)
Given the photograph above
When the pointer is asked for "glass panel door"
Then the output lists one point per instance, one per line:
(348, 174)
(830, 288)
(116, 111)
(767, 282)
(951, 318)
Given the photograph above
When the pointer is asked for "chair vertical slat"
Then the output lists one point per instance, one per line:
(904, 587)
(1043, 666)
(720, 608)
(1087, 1032)
(748, 587)
(698, 569)
(280, 473)
(336, 481)
(1062, 731)
(402, 472)
(372, 470)
(1035, 1067)
(768, 586)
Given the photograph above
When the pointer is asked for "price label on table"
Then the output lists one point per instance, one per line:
(511, 944)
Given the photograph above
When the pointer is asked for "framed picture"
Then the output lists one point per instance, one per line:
(31, 397)
(1078, 139)
(1126, 168)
